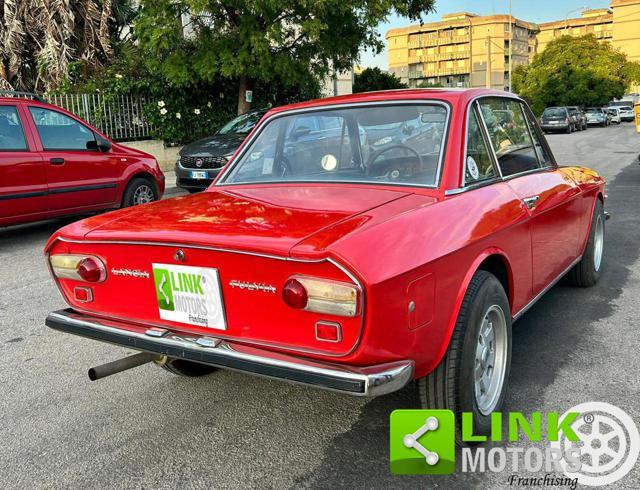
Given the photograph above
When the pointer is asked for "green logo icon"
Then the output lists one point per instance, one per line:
(422, 442)
(163, 289)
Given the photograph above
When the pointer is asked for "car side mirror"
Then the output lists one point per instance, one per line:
(301, 131)
(99, 144)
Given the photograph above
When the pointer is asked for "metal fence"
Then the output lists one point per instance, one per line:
(121, 117)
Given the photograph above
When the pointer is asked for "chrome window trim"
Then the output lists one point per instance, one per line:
(338, 265)
(220, 181)
(474, 109)
(475, 101)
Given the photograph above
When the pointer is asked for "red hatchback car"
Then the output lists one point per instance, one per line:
(54, 164)
(354, 243)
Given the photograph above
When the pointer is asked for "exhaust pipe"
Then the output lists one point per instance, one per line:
(120, 365)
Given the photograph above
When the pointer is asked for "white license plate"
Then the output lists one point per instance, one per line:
(199, 174)
(190, 295)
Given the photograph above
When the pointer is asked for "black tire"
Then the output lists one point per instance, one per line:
(134, 187)
(188, 369)
(585, 273)
(451, 385)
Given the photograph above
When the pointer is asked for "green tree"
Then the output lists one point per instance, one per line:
(375, 79)
(575, 71)
(255, 41)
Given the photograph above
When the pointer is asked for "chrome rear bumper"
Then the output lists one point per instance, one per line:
(361, 381)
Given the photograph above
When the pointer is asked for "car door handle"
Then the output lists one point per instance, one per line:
(531, 202)
(57, 161)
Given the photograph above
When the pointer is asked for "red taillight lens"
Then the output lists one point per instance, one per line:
(294, 294)
(90, 269)
(78, 267)
(83, 295)
(321, 296)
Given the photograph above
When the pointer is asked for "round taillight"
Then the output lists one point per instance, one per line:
(90, 269)
(295, 294)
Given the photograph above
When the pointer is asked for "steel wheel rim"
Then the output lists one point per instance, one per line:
(598, 244)
(490, 363)
(143, 195)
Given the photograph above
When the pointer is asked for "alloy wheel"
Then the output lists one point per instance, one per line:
(490, 359)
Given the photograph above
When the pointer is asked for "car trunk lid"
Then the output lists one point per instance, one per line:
(268, 220)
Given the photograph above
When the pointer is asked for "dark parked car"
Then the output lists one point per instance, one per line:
(557, 119)
(597, 116)
(201, 161)
(579, 117)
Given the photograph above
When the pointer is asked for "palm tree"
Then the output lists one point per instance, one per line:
(40, 39)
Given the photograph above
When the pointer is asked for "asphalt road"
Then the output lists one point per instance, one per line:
(147, 428)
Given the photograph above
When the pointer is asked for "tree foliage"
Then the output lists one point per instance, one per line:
(256, 41)
(375, 79)
(575, 71)
(43, 41)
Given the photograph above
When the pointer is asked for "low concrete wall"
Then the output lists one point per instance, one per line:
(166, 156)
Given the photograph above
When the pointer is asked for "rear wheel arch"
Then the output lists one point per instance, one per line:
(493, 261)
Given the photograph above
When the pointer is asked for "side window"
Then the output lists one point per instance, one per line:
(509, 135)
(11, 133)
(543, 155)
(59, 132)
(477, 165)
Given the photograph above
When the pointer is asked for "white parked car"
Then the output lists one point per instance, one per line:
(614, 113)
(626, 114)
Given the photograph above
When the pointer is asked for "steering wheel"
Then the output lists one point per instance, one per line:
(375, 156)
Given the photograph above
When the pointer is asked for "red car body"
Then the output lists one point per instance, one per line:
(410, 252)
(39, 183)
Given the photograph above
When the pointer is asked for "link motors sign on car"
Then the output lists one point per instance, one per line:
(189, 295)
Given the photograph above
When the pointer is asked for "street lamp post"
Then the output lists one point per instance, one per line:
(510, 43)
(566, 17)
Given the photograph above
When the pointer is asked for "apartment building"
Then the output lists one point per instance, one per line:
(463, 50)
(468, 50)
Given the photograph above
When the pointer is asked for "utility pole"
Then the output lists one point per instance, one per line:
(488, 79)
(510, 43)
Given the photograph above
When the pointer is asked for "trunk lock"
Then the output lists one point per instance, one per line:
(179, 256)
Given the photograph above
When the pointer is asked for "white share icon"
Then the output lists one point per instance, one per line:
(411, 440)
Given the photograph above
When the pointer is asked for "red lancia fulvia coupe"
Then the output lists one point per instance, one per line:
(354, 243)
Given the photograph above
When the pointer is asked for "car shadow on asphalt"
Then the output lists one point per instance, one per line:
(30, 234)
(543, 341)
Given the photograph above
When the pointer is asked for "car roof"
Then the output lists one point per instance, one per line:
(451, 95)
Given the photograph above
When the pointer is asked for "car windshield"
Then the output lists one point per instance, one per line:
(397, 144)
(554, 112)
(242, 124)
(594, 110)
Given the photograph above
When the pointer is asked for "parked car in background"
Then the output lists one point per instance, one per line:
(596, 116)
(200, 162)
(555, 119)
(579, 117)
(614, 115)
(329, 267)
(626, 114)
(53, 164)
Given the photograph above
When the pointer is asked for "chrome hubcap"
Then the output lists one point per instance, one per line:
(490, 359)
(598, 244)
(143, 194)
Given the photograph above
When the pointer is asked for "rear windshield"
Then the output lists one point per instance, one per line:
(391, 144)
(554, 112)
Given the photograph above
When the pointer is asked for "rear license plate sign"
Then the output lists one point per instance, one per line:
(189, 295)
(198, 174)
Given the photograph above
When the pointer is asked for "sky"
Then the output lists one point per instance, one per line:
(533, 11)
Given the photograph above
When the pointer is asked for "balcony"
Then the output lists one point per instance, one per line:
(415, 74)
(603, 34)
